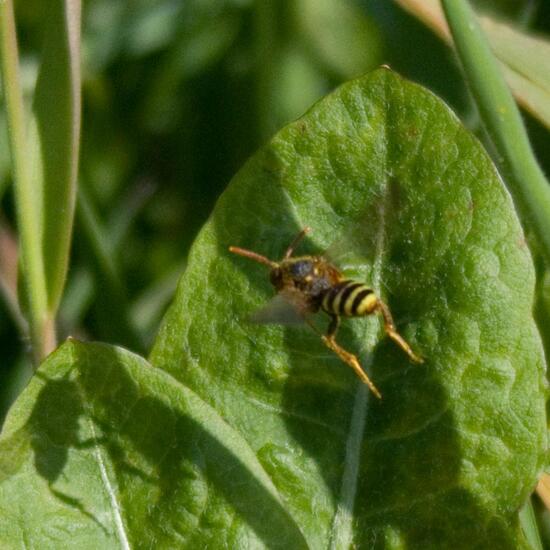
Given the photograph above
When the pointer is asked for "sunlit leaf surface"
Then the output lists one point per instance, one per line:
(255, 436)
(103, 451)
(455, 446)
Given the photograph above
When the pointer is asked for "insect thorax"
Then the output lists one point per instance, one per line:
(312, 275)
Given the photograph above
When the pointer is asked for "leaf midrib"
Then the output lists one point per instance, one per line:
(341, 535)
(258, 472)
(109, 488)
(116, 508)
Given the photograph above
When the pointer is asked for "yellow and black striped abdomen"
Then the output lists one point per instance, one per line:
(349, 299)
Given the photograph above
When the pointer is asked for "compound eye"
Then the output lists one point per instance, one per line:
(300, 270)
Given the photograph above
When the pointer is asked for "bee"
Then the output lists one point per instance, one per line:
(311, 284)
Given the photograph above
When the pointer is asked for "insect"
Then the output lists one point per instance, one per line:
(311, 283)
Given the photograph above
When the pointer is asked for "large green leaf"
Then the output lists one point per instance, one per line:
(453, 449)
(103, 451)
(256, 436)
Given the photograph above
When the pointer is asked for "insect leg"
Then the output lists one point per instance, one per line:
(389, 327)
(295, 242)
(334, 326)
(330, 341)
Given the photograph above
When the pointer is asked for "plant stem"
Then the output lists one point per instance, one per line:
(502, 119)
(42, 330)
(528, 523)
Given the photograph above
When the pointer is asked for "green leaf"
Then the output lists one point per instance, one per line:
(54, 138)
(256, 436)
(525, 61)
(339, 34)
(526, 54)
(103, 451)
(455, 446)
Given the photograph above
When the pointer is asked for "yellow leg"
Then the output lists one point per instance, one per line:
(330, 341)
(352, 361)
(389, 327)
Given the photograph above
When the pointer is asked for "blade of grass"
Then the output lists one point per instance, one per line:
(526, 54)
(147, 309)
(77, 299)
(521, 56)
(98, 242)
(501, 117)
(111, 296)
(27, 205)
(534, 99)
(123, 216)
(528, 523)
(56, 110)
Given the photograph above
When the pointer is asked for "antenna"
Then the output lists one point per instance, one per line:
(253, 256)
(295, 242)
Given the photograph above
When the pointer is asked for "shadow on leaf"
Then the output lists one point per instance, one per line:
(174, 473)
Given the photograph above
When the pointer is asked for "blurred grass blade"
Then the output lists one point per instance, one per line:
(148, 308)
(526, 65)
(111, 296)
(430, 13)
(530, 96)
(26, 194)
(4, 151)
(523, 58)
(125, 214)
(339, 35)
(45, 159)
(529, 525)
(98, 242)
(8, 275)
(56, 128)
(77, 299)
(528, 55)
(501, 117)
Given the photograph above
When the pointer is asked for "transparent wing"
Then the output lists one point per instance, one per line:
(356, 247)
(288, 307)
(370, 234)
